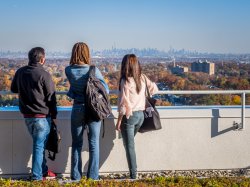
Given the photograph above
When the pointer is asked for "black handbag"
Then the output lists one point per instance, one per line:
(53, 141)
(152, 119)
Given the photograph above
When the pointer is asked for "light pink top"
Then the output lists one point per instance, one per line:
(129, 100)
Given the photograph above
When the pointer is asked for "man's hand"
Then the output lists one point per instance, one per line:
(55, 121)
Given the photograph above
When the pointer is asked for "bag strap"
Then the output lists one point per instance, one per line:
(146, 87)
(103, 128)
(92, 71)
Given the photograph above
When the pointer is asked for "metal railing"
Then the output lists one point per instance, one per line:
(191, 92)
(243, 93)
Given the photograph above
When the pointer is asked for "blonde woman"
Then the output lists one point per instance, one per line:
(77, 74)
(131, 103)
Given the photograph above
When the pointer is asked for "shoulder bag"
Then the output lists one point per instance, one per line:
(152, 119)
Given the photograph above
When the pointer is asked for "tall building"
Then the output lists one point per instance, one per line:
(179, 69)
(206, 67)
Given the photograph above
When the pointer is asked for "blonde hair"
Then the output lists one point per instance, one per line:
(80, 54)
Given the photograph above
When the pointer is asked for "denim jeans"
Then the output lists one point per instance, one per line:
(129, 128)
(78, 125)
(39, 129)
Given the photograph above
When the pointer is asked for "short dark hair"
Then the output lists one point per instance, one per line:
(36, 54)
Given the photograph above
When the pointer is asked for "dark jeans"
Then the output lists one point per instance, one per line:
(129, 128)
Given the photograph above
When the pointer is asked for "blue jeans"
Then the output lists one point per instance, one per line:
(129, 128)
(39, 129)
(78, 125)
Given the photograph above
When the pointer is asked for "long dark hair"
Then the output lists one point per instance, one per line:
(131, 67)
(80, 54)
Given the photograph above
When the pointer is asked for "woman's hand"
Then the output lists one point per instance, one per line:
(118, 125)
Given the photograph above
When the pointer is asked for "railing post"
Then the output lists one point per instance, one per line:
(243, 106)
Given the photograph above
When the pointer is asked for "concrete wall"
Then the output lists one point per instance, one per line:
(191, 138)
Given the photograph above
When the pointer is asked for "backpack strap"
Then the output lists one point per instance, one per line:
(92, 71)
(103, 128)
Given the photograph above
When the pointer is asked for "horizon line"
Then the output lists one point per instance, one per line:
(172, 50)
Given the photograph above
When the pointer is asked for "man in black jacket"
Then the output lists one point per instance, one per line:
(37, 103)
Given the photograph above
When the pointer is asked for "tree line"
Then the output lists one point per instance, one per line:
(228, 75)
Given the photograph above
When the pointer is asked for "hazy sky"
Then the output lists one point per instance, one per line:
(220, 26)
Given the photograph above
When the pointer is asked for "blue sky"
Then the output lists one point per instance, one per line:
(221, 26)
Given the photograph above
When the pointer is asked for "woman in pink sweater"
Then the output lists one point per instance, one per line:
(131, 103)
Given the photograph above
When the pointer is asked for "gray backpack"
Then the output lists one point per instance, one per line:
(97, 100)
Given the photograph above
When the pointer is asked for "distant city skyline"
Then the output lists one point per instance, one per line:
(213, 26)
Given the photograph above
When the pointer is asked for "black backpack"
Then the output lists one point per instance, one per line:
(97, 100)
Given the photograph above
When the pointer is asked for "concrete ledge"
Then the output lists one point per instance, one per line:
(191, 139)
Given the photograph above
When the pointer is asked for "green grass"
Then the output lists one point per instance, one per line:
(159, 181)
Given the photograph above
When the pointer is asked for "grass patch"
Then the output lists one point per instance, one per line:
(156, 182)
